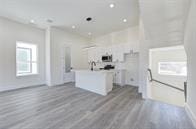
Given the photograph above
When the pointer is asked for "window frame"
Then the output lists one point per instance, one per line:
(168, 74)
(31, 60)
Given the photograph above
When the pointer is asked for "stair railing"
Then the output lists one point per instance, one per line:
(169, 85)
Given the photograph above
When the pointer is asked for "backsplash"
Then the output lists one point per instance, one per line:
(131, 65)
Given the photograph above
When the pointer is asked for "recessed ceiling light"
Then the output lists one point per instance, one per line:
(112, 5)
(89, 33)
(124, 20)
(32, 21)
(73, 27)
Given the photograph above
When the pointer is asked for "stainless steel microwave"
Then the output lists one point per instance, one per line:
(107, 58)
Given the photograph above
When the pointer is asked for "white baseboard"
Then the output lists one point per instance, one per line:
(191, 115)
(10, 88)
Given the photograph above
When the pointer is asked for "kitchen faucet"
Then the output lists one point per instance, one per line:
(92, 63)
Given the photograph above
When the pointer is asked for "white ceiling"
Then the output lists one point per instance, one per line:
(164, 20)
(66, 13)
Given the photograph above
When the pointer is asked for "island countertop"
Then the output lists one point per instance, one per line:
(95, 71)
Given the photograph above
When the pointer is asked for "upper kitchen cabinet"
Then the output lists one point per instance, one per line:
(106, 50)
(114, 54)
(109, 50)
(127, 48)
(95, 54)
(92, 55)
(117, 51)
(99, 53)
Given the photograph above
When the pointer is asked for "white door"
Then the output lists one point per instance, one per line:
(68, 75)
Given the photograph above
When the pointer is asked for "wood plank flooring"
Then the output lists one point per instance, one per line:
(68, 107)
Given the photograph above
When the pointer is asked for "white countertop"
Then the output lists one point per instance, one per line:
(95, 71)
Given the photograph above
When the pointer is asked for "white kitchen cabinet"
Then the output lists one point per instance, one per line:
(91, 55)
(127, 48)
(119, 77)
(121, 57)
(95, 57)
(69, 77)
(118, 57)
(109, 51)
(114, 54)
(98, 55)
(121, 53)
(94, 54)
(118, 53)
(103, 51)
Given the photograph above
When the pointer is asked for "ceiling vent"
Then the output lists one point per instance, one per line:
(89, 19)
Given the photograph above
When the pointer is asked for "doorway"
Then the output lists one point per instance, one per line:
(68, 75)
(168, 75)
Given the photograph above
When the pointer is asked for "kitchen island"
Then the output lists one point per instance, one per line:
(100, 82)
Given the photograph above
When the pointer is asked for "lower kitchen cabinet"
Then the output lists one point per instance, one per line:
(119, 77)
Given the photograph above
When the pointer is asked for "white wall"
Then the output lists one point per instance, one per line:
(131, 65)
(58, 39)
(190, 45)
(159, 91)
(161, 25)
(10, 32)
(48, 56)
(131, 36)
(145, 46)
(50, 44)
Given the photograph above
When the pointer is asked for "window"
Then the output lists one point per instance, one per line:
(173, 68)
(26, 59)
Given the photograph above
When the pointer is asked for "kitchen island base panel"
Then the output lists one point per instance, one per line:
(99, 82)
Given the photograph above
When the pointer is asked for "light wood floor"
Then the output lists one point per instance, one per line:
(67, 107)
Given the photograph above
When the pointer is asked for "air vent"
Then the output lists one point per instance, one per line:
(89, 19)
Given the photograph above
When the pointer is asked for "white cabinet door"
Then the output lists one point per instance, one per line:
(119, 77)
(90, 55)
(127, 48)
(101, 52)
(95, 55)
(104, 51)
(109, 50)
(69, 77)
(121, 53)
(118, 53)
(121, 57)
(98, 55)
(115, 54)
